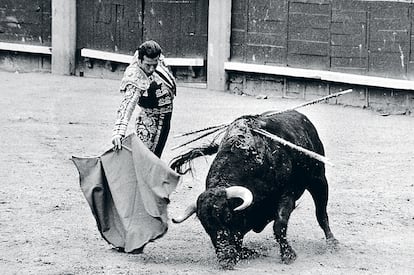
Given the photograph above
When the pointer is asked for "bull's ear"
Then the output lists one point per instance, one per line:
(242, 193)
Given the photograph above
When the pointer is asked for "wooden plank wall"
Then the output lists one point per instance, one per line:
(179, 26)
(259, 31)
(349, 45)
(24, 21)
(122, 25)
(353, 36)
(389, 38)
(308, 34)
(110, 25)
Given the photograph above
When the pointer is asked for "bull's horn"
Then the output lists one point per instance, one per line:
(190, 210)
(242, 193)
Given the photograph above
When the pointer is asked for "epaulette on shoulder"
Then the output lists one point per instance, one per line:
(133, 75)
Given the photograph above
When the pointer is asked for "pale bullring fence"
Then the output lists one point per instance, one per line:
(280, 48)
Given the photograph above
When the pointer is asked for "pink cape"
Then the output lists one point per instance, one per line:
(128, 192)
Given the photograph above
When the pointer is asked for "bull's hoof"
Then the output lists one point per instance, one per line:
(247, 253)
(228, 258)
(228, 264)
(288, 255)
(332, 244)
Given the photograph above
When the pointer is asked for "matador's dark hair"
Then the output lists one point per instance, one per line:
(150, 49)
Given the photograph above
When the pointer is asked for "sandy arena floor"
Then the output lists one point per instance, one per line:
(46, 226)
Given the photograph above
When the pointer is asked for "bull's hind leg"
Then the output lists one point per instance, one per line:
(319, 191)
(285, 208)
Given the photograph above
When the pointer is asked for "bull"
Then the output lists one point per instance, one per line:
(254, 180)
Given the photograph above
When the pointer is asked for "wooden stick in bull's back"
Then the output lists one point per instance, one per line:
(201, 130)
(268, 113)
(294, 146)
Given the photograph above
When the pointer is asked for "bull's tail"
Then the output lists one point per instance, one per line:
(178, 163)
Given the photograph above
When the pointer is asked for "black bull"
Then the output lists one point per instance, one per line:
(262, 175)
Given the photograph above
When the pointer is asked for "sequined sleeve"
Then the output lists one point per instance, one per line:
(125, 110)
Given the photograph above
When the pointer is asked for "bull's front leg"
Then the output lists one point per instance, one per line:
(285, 208)
(228, 248)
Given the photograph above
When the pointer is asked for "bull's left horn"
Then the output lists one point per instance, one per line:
(190, 210)
(242, 193)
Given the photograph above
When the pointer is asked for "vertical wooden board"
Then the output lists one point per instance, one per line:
(84, 23)
(267, 10)
(348, 28)
(25, 21)
(401, 48)
(237, 37)
(308, 48)
(307, 21)
(128, 26)
(310, 35)
(102, 38)
(190, 37)
(314, 8)
(265, 54)
(344, 5)
(132, 26)
(267, 39)
(238, 21)
(103, 12)
(349, 51)
(348, 40)
(410, 70)
(179, 26)
(118, 26)
(109, 25)
(391, 35)
(46, 6)
(202, 26)
(349, 62)
(388, 9)
(238, 6)
(266, 26)
(104, 26)
(308, 61)
(237, 53)
(162, 24)
(239, 16)
(390, 24)
(20, 4)
(349, 16)
(388, 64)
(279, 10)
(389, 39)
(349, 43)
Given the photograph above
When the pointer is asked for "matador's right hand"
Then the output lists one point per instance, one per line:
(116, 141)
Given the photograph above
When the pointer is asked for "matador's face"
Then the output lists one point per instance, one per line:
(148, 65)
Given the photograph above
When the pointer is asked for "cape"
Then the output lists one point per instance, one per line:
(128, 192)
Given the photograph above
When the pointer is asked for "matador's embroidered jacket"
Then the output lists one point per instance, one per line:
(154, 95)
